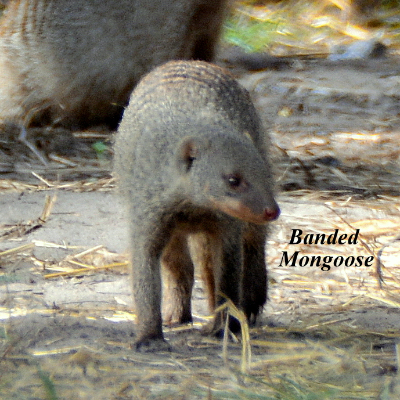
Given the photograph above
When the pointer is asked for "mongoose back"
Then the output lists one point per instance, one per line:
(191, 162)
(74, 63)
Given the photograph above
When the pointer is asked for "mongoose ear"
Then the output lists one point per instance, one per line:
(190, 150)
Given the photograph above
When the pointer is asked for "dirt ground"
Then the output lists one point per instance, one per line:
(329, 334)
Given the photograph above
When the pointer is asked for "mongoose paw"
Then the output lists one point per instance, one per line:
(217, 327)
(151, 345)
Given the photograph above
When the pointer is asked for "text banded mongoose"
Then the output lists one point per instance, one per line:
(74, 63)
(192, 163)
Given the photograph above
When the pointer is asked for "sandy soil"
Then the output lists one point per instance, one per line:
(335, 146)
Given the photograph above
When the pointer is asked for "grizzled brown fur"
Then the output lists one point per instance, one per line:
(192, 163)
(74, 63)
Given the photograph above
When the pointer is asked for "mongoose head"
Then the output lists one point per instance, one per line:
(226, 172)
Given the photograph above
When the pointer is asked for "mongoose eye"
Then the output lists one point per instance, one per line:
(235, 181)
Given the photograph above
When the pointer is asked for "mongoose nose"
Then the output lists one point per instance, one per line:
(271, 214)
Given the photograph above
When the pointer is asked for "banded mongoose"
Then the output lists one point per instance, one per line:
(74, 63)
(192, 163)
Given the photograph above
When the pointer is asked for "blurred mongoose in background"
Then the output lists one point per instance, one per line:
(191, 158)
(74, 63)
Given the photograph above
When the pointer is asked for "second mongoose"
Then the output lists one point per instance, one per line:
(74, 63)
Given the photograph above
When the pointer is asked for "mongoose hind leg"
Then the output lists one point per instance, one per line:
(218, 258)
(206, 253)
(178, 279)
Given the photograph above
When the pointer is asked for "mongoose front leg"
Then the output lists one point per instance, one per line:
(254, 283)
(146, 284)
